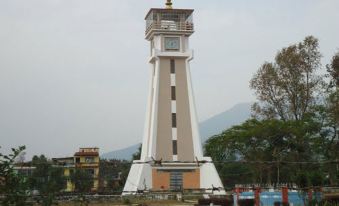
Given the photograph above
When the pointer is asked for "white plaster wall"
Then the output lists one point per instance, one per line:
(139, 176)
(146, 137)
(194, 120)
(209, 176)
(154, 121)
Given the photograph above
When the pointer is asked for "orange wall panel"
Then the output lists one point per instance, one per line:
(161, 180)
(191, 180)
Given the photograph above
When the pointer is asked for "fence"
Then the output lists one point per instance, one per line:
(256, 196)
(284, 195)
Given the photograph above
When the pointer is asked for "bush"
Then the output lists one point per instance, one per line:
(126, 201)
(216, 201)
(281, 204)
(246, 202)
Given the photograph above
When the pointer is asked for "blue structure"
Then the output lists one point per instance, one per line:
(269, 198)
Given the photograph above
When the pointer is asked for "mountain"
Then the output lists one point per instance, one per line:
(212, 126)
(123, 154)
(220, 122)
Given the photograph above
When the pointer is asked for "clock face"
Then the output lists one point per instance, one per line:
(172, 43)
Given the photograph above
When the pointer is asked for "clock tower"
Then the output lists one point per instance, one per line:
(171, 157)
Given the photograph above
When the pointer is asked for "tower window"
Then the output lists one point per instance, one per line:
(175, 147)
(172, 66)
(174, 120)
(173, 95)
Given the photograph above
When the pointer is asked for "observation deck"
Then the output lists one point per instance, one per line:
(169, 21)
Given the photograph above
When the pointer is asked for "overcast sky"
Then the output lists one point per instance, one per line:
(74, 73)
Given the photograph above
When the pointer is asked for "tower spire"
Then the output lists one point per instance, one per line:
(169, 4)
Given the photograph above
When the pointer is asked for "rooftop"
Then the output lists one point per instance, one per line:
(90, 154)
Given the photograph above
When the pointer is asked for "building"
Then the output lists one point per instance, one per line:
(86, 159)
(171, 138)
(67, 163)
(24, 169)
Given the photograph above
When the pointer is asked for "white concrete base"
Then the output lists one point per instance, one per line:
(139, 178)
(209, 178)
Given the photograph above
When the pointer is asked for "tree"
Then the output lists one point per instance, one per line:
(295, 120)
(113, 174)
(13, 186)
(47, 179)
(21, 158)
(331, 119)
(82, 180)
(137, 155)
(264, 141)
(287, 87)
(333, 70)
(332, 103)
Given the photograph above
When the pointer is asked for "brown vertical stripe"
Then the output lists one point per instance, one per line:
(173, 93)
(164, 121)
(172, 66)
(175, 147)
(174, 120)
(184, 127)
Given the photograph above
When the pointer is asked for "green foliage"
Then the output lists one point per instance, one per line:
(302, 179)
(329, 116)
(82, 200)
(316, 178)
(137, 155)
(296, 119)
(48, 180)
(234, 173)
(114, 174)
(333, 71)
(13, 186)
(82, 180)
(126, 201)
(266, 140)
(287, 87)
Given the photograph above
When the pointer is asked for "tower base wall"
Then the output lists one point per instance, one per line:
(139, 178)
(146, 177)
(209, 178)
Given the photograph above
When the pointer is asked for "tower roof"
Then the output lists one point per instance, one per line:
(188, 12)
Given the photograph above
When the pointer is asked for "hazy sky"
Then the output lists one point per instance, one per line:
(74, 73)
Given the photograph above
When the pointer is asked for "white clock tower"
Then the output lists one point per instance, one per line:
(171, 141)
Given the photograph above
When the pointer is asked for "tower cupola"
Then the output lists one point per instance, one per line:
(169, 21)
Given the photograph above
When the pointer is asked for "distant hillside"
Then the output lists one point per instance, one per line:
(218, 123)
(212, 126)
(123, 154)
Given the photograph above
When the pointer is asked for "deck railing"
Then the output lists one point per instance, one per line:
(170, 26)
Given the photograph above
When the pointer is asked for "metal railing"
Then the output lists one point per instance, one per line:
(170, 26)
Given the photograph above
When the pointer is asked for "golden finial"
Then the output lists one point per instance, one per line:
(169, 4)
